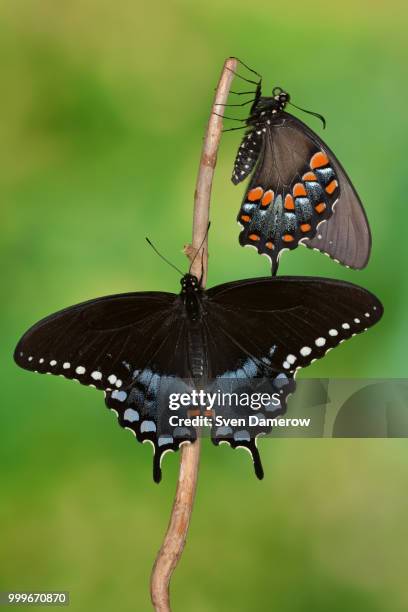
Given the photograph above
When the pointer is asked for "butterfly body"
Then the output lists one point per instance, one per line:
(244, 336)
(298, 191)
(267, 107)
(193, 298)
(191, 294)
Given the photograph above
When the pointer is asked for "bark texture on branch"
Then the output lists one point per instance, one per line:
(175, 538)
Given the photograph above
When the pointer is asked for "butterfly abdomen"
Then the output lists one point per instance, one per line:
(247, 155)
(196, 351)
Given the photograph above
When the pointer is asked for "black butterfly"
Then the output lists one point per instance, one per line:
(297, 184)
(252, 334)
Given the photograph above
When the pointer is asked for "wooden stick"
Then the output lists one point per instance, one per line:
(175, 538)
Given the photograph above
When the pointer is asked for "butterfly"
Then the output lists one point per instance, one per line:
(251, 335)
(298, 193)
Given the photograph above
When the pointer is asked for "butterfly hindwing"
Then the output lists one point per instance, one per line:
(143, 408)
(293, 189)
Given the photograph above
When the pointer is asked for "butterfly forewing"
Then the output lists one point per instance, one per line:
(346, 237)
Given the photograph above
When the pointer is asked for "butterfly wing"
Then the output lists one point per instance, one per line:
(121, 344)
(255, 334)
(346, 236)
(261, 331)
(296, 185)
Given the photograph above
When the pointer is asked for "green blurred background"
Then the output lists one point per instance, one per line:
(104, 106)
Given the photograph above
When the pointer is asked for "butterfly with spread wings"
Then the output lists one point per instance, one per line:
(141, 347)
(298, 193)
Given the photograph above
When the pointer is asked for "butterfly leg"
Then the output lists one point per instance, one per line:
(233, 129)
(231, 118)
(241, 77)
(242, 93)
(243, 103)
(247, 67)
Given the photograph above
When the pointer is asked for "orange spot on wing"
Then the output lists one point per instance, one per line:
(255, 194)
(268, 197)
(319, 208)
(269, 245)
(245, 218)
(331, 187)
(309, 176)
(287, 238)
(254, 237)
(289, 203)
(319, 160)
(305, 227)
(299, 190)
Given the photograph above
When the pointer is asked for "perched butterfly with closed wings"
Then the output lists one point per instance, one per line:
(299, 193)
(141, 347)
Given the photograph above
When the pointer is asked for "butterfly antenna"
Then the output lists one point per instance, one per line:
(202, 268)
(164, 258)
(322, 119)
(199, 249)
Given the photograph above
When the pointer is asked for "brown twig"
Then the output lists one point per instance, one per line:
(175, 537)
